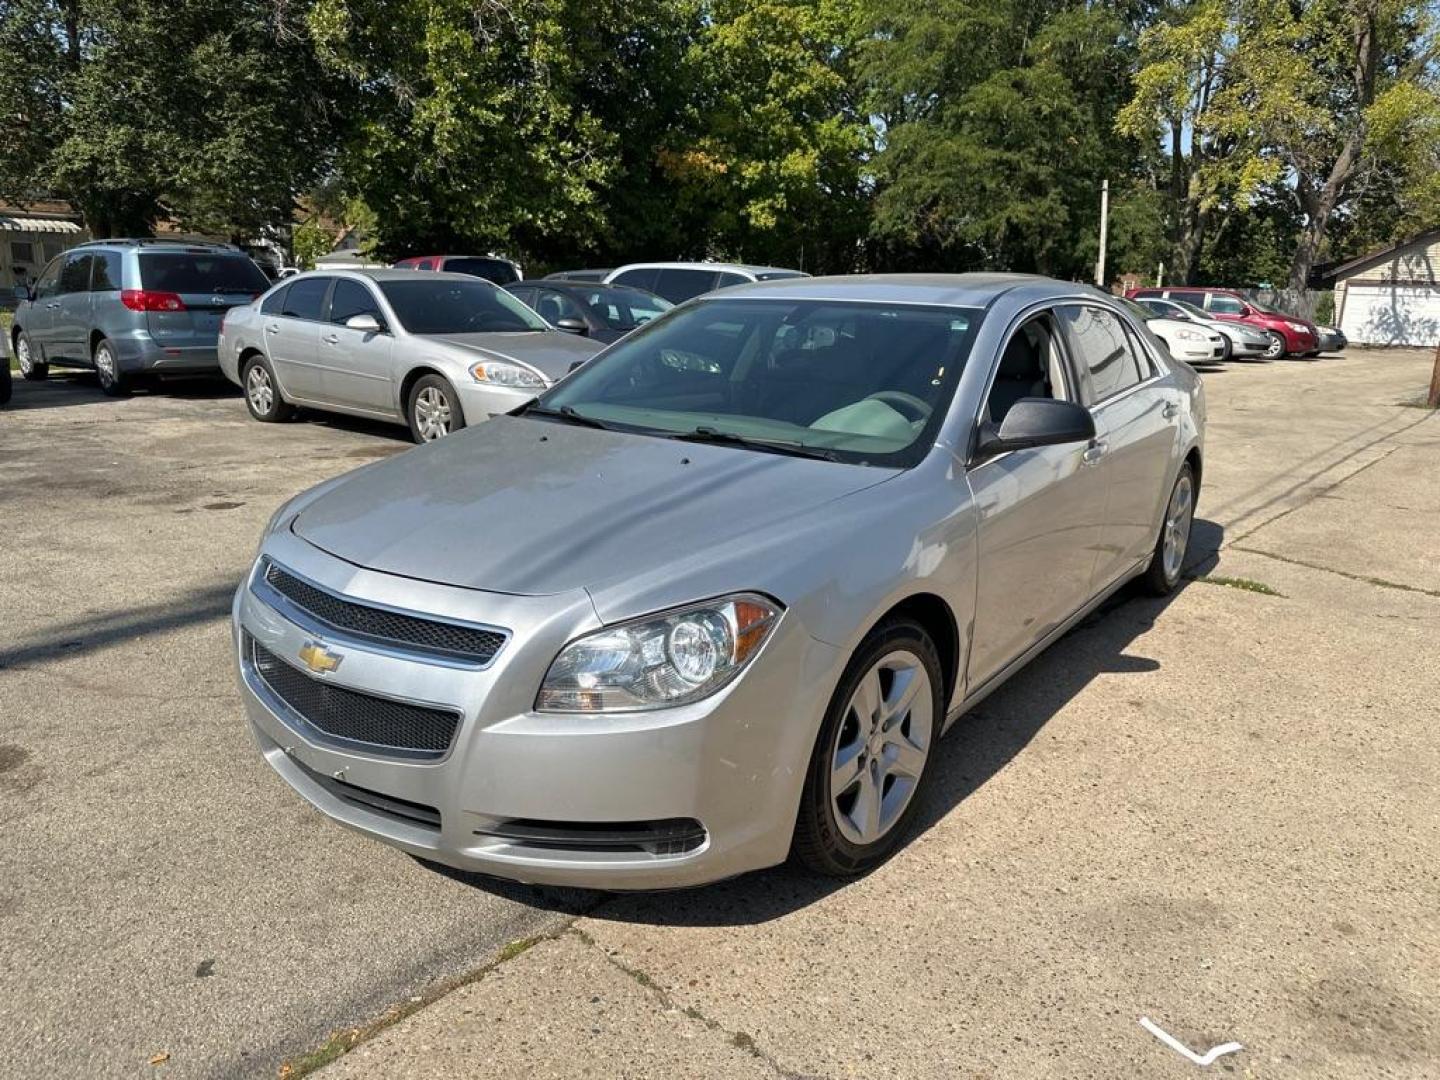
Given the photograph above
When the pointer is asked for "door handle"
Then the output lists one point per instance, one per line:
(1094, 452)
(53, 305)
(272, 329)
(1171, 408)
(331, 339)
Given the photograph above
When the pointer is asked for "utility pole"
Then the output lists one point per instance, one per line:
(1104, 232)
(1160, 275)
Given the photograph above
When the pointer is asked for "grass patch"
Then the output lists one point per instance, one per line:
(342, 1042)
(1243, 584)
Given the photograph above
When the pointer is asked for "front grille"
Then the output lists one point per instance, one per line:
(412, 813)
(471, 643)
(672, 836)
(352, 716)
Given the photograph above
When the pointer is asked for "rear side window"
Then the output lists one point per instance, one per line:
(678, 286)
(196, 272)
(1226, 305)
(725, 279)
(1187, 296)
(350, 299)
(497, 270)
(642, 278)
(75, 275)
(275, 303)
(1102, 347)
(305, 298)
(105, 276)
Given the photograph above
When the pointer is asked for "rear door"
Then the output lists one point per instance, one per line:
(678, 285)
(642, 277)
(292, 338)
(188, 293)
(1133, 407)
(71, 328)
(357, 364)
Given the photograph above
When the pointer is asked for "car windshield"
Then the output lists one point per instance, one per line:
(1140, 311)
(857, 382)
(1191, 310)
(622, 309)
(439, 305)
(201, 272)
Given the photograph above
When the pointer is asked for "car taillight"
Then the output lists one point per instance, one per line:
(150, 300)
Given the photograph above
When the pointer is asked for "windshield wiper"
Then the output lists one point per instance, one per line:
(768, 446)
(565, 413)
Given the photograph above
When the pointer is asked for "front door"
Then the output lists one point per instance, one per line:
(1040, 511)
(39, 321)
(357, 364)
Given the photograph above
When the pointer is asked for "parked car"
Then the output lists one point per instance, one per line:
(1287, 334)
(603, 312)
(679, 281)
(434, 351)
(1186, 340)
(1245, 341)
(1332, 339)
(579, 275)
(130, 308)
(715, 597)
(490, 267)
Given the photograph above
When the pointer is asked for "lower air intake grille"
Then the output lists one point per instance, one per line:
(352, 716)
(672, 836)
(413, 813)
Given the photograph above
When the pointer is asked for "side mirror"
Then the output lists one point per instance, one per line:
(573, 326)
(364, 322)
(22, 292)
(1037, 422)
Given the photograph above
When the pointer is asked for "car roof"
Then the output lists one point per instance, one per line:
(578, 286)
(383, 273)
(151, 244)
(457, 255)
(945, 290)
(743, 268)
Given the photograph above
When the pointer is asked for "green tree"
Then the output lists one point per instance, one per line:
(138, 110)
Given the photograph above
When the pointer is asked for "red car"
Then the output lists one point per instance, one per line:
(490, 267)
(1289, 335)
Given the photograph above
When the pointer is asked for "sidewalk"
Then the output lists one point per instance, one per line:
(1217, 813)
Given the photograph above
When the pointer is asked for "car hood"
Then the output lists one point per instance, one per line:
(551, 352)
(530, 507)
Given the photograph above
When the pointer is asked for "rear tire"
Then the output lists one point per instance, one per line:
(872, 759)
(1167, 564)
(433, 410)
(31, 369)
(113, 381)
(262, 392)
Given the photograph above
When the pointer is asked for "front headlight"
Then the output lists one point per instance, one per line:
(659, 660)
(1189, 335)
(1299, 328)
(499, 373)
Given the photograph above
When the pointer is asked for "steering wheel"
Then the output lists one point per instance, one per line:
(918, 407)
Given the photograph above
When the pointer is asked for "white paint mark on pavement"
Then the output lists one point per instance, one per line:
(1180, 1048)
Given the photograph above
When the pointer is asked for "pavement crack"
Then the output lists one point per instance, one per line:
(1364, 579)
(1318, 495)
(739, 1039)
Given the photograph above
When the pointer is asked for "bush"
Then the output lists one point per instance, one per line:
(1325, 308)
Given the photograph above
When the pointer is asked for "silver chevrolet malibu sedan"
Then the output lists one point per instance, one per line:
(711, 601)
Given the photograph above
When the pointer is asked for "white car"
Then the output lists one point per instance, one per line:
(1187, 341)
(680, 281)
(1245, 341)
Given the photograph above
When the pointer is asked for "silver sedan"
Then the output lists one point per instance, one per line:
(712, 600)
(434, 351)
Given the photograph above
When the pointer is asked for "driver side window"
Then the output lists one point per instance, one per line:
(1031, 365)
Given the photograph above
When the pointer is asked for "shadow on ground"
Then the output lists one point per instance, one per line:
(72, 389)
(981, 743)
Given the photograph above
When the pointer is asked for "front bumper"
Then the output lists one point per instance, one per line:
(1199, 352)
(480, 402)
(734, 763)
(1296, 342)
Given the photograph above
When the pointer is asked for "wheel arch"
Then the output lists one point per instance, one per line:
(407, 384)
(936, 617)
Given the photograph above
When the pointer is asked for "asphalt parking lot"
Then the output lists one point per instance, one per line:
(1217, 811)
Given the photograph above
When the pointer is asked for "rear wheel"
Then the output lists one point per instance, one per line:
(1276, 348)
(31, 367)
(433, 409)
(262, 392)
(113, 381)
(871, 759)
(6, 382)
(1168, 560)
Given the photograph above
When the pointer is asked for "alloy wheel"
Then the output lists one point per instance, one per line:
(432, 413)
(1177, 526)
(22, 355)
(881, 748)
(258, 390)
(105, 364)
(1276, 348)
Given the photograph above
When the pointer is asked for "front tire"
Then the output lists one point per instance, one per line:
(262, 392)
(31, 369)
(433, 410)
(113, 382)
(1276, 349)
(1168, 561)
(871, 759)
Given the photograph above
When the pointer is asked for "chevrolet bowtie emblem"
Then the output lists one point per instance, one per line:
(318, 658)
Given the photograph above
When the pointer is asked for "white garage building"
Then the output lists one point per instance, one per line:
(1391, 297)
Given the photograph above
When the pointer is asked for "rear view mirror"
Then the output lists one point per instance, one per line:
(572, 326)
(364, 322)
(1037, 422)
